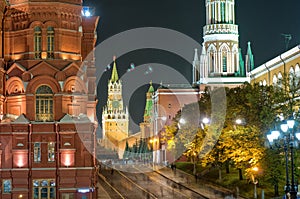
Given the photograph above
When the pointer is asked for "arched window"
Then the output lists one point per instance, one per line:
(44, 104)
(235, 59)
(264, 82)
(280, 83)
(212, 62)
(50, 42)
(297, 71)
(292, 78)
(37, 42)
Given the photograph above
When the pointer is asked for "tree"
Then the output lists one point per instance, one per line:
(245, 147)
(126, 151)
(272, 168)
(186, 136)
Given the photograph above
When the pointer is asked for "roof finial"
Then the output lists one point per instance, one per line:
(114, 58)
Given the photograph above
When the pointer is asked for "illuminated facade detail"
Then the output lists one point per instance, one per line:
(47, 93)
(114, 116)
(220, 61)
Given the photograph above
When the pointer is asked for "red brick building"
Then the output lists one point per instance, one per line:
(168, 100)
(47, 99)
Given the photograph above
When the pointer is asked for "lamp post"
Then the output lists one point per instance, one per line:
(288, 135)
(255, 181)
(154, 142)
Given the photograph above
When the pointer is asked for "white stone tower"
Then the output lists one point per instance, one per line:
(219, 60)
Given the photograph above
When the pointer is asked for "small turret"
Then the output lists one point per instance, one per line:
(196, 67)
(242, 71)
(249, 58)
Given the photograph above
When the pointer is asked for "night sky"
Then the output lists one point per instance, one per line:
(260, 21)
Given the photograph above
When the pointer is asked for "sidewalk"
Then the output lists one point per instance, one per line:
(102, 194)
(209, 190)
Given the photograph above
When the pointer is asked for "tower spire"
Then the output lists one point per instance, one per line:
(249, 58)
(196, 67)
(241, 64)
(114, 74)
(149, 104)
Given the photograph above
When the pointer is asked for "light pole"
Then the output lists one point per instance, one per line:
(255, 181)
(288, 135)
(154, 142)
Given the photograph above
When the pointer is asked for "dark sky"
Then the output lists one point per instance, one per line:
(260, 21)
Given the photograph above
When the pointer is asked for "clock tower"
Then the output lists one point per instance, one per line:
(115, 115)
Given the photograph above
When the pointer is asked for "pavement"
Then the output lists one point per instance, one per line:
(201, 186)
(102, 194)
(209, 190)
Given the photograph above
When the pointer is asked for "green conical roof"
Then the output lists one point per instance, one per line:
(151, 89)
(242, 64)
(114, 74)
(250, 55)
(149, 104)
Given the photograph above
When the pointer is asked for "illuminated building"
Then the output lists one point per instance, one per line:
(47, 100)
(272, 72)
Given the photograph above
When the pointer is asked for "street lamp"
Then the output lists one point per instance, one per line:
(255, 181)
(154, 141)
(288, 135)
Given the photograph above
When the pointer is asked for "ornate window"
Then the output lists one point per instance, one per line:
(44, 104)
(51, 152)
(37, 42)
(224, 62)
(6, 186)
(50, 42)
(37, 152)
(44, 189)
(212, 62)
